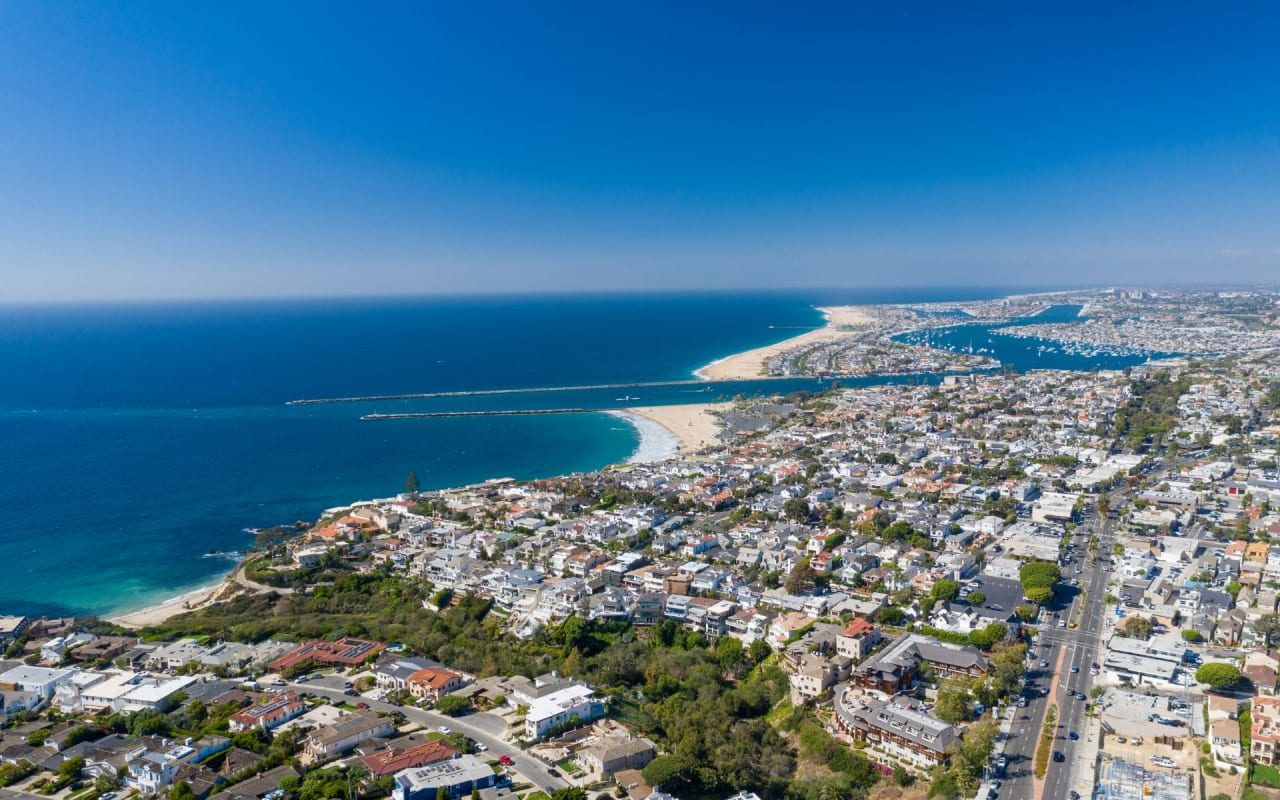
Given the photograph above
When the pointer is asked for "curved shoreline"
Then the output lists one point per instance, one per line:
(158, 612)
(751, 364)
(657, 442)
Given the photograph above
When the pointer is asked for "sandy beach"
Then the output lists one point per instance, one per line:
(753, 363)
(190, 601)
(694, 425)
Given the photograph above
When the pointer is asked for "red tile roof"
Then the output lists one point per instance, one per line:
(391, 761)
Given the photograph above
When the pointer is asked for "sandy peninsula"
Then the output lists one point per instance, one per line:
(190, 601)
(841, 321)
(695, 426)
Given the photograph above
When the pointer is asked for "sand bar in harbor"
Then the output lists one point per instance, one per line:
(753, 363)
(695, 426)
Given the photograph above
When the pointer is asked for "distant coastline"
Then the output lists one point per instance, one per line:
(113, 393)
(751, 364)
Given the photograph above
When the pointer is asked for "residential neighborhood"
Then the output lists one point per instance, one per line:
(976, 585)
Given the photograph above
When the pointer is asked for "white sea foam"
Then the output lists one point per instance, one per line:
(656, 442)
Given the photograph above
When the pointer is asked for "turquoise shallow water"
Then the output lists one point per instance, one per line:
(136, 438)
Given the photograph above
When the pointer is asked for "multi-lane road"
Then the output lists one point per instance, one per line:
(1070, 654)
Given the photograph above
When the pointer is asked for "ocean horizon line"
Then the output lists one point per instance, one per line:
(190, 407)
(534, 294)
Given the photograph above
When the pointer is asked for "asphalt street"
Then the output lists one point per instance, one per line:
(484, 728)
(1064, 648)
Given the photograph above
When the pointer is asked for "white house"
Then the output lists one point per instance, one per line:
(37, 680)
(558, 707)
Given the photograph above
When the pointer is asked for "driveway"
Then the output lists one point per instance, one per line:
(486, 729)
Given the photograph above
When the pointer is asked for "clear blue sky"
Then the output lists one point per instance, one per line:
(174, 149)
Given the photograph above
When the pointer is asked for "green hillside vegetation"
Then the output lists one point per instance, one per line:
(705, 704)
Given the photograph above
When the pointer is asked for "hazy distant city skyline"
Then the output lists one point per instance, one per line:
(154, 150)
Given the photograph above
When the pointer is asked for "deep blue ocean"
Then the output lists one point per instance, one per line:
(134, 439)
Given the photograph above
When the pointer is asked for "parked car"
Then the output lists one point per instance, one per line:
(505, 760)
(445, 730)
(362, 705)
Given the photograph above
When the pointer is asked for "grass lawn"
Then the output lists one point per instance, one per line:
(568, 765)
(1267, 776)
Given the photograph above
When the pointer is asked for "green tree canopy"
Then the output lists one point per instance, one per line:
(953, 700)
(1039, 575)
(987, 637)
(1218, 675)
(796, 508)
(181, 791)
(801, 576)
(1136, 627)
(1268, 627)
(671, 772)
(452, 705)
(70, 769)
(1039, 595)
(946, 590)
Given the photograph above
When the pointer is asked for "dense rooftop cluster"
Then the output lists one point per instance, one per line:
(865, 568)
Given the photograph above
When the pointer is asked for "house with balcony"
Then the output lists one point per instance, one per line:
(858, 639)
(561, 707)
(1264, 733)
(899, 731)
